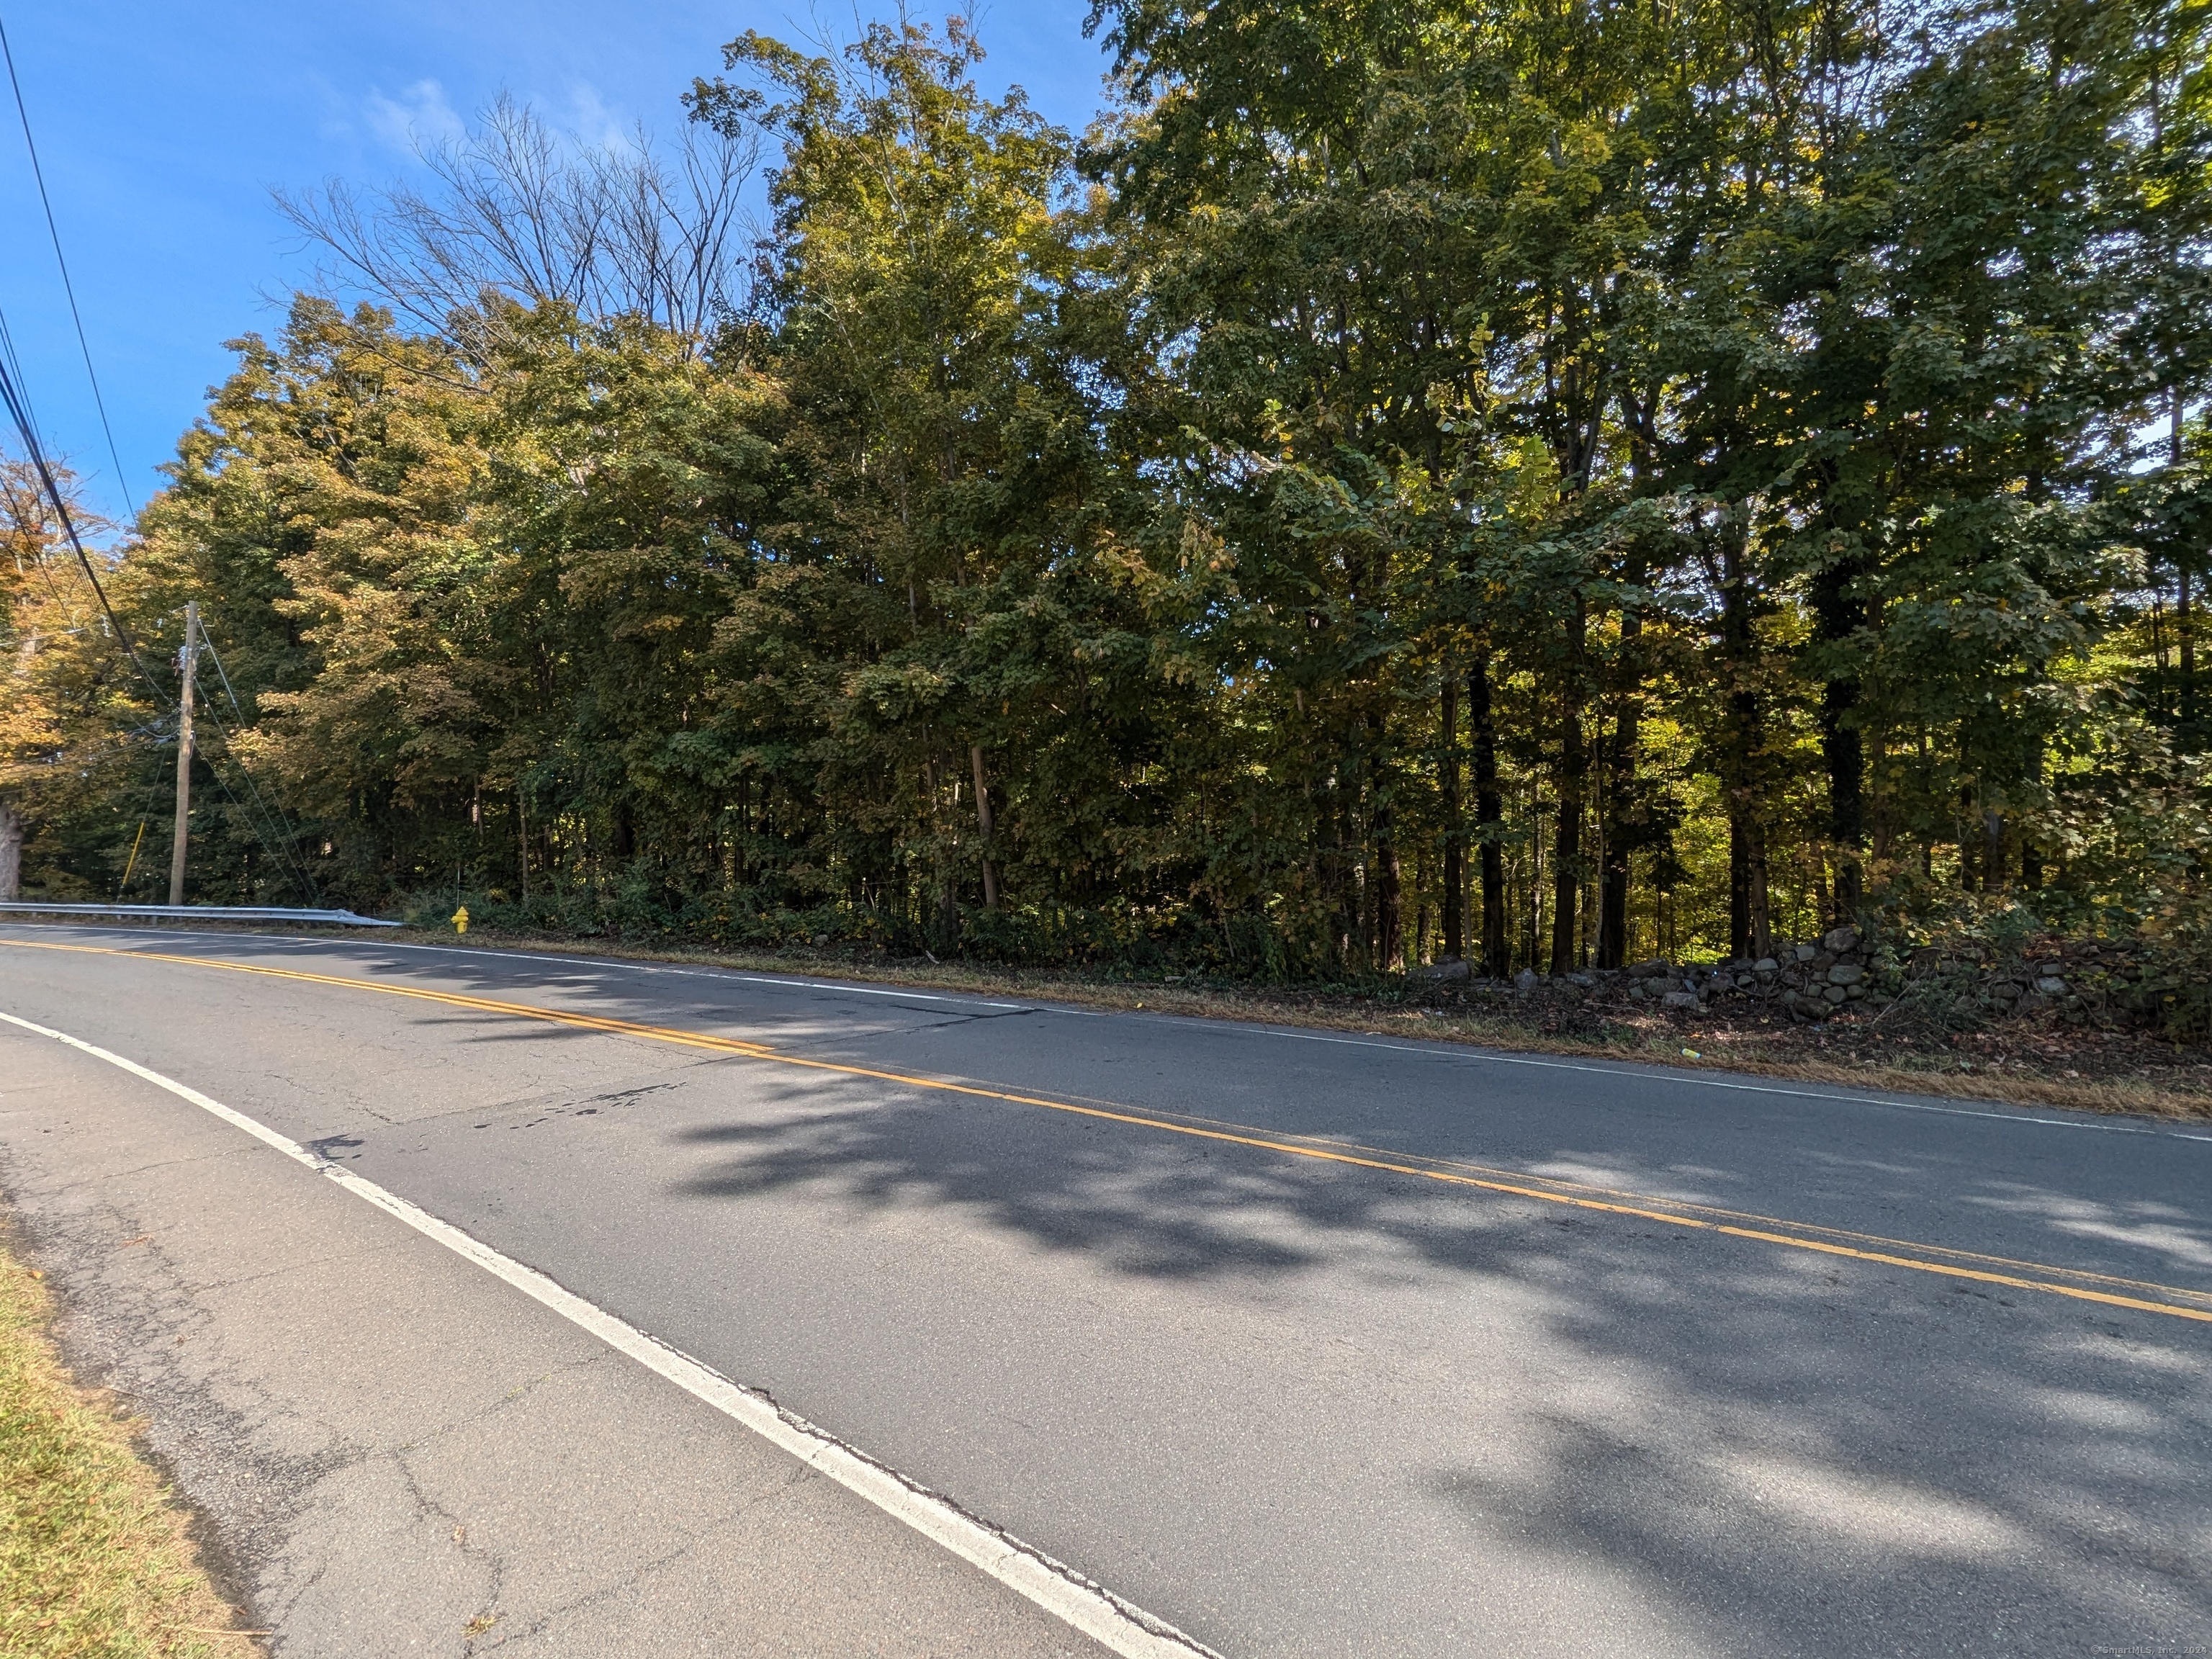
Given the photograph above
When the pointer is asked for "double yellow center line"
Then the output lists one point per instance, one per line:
(2003, 1272)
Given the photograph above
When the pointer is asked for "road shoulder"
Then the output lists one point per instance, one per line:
(398, 1454)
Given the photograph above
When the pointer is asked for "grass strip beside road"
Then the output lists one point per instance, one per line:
(95, 1558)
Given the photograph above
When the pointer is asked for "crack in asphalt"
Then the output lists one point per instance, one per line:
(632, 1577)
(491, 1563)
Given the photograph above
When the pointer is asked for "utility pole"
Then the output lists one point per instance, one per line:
(184, 754)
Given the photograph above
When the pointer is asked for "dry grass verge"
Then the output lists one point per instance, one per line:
(95, 1558)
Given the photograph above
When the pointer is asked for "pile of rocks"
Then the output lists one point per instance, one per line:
(1805, 982)
(2106, 982)
(2103, 983)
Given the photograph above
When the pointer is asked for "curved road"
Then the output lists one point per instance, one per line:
(1305, 1344)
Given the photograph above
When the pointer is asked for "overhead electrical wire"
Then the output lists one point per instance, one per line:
(287, 846)
(20, 411)
(14, 394)
(223, 674)
(14, 364)
(22, 516)
(292, 872)
(53, 233)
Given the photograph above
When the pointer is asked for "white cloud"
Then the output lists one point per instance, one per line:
(419, 116)
(594, 122)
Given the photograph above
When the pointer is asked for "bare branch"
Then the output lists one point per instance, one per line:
(516, 209)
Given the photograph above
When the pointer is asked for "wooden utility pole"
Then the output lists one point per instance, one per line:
(184, 754)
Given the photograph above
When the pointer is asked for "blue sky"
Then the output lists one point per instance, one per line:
(161, 128)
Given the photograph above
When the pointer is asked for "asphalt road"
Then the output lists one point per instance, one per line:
(1396, 1399)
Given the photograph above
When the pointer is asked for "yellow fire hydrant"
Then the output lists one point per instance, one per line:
(461, 919)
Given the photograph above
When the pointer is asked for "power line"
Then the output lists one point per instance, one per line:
(15, 365)
(286, 860)
(53, 232)
(223, 674)
(20, 411)
(18, 405)
(17, 408)
(288, 848)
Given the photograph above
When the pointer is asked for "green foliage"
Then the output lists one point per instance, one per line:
(1674, 477)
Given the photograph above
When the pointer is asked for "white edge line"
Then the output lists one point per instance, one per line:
(1097, 1612)
(786, 982)
(1647, 1072)
(1470, 1053)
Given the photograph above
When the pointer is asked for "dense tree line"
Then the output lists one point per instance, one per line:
(1539, 482)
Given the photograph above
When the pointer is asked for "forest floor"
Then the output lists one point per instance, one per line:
(2030, 1061)
(96, 1557)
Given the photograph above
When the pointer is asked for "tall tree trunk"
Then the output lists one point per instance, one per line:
(1532, 920)
(1574, 766)
(1839, 614)
(1739, 884)
(1612, 895)
(947, 927)
(2184, 633)
(1489, 813)
(11, 853)
(2183, 618)
(1390, 894)
(1336, 874)
(741, 861)
(1455, 879)
(983, 823)
(1352, 806)
(1385, 879)
(1619, 803)
(2030, 861)
(1749, 933)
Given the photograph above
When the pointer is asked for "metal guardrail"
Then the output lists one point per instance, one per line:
(198, 912)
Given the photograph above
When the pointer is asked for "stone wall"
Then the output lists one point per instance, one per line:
(1962, 983)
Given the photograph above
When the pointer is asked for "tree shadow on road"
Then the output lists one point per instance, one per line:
(1797, 1454)
(1785, 1454)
